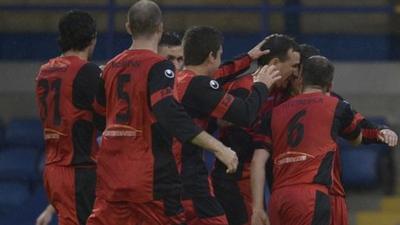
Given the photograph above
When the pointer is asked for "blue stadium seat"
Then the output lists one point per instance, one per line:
(360, 166)
(25, 133)
(19, 164)
(13, 195)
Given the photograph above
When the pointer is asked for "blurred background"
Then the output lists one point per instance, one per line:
(362, 37)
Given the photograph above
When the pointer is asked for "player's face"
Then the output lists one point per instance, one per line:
(173, 54)
(289, 67)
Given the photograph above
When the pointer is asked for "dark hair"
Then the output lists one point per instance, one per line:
(77, 30)
(279, 45)
(144, 17)
(170, 39)
(317, 71)
(306, 51)
(198, 42)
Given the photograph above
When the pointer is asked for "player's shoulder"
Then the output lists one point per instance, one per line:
(206, 82)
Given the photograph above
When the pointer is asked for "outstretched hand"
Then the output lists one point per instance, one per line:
(256, 52)
(389, 137)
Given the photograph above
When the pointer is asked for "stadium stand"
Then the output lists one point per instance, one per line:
(25, 133)
(244, 22)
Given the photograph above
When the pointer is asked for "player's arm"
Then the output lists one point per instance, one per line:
(240, 66)
(373, 133)
(262, 143)
(258, 163)
(85, 88)
(206, 96)
(172, 116)
(238, 88)
(46, 216)
(349, 128)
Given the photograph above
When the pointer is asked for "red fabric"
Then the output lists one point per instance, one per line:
(223, 106)
(337, 186)
(293, 205)
(300, 164)
(193, 219)
(232, 68)
(245, 82)
(182, 78)
(59, 182)
(160, 95)
(131, 158)
(339, 210)
(59, 145)
(124, 213)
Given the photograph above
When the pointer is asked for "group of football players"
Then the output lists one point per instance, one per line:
(270, 117)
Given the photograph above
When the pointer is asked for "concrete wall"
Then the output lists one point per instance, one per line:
(372, 88)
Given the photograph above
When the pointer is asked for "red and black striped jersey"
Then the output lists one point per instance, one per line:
(204, 98)
(302, 134)
(136, 162)
(65, 90)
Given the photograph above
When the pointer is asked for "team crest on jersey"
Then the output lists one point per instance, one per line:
(214, 84)
(169, 73)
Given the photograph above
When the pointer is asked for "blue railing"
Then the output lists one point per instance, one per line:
(292, 9)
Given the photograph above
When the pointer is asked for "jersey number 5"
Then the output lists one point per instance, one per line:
(295, 129)
(123, 117)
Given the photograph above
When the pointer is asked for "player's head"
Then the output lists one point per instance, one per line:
(170, 46)
(77, 32)
(144, 20)
(203, 46)
(318, 73)
(306, 51)
(296, 82)
(284, 54)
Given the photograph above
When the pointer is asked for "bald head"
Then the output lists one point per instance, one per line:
(318, 71)
(144, 18)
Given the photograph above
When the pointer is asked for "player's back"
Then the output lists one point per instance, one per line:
(135, 157)
(304, 131)
(66, 116)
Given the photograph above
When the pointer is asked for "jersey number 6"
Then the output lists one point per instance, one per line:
(295, 129)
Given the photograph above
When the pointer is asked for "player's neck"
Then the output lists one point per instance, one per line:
(198, 70)
(145, 43)
(84, 55)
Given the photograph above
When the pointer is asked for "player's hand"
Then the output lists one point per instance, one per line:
(45, 217)
(228, 158)
(268, 75)
(388, 136)
(256, 52)
(259, 217)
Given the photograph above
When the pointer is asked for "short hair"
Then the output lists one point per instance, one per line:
(278, 45)
(170, 39)
(77, 29)
(198, 42)
(317, 71)
(306, 51)
(144, 18)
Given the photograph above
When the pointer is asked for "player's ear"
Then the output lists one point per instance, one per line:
(160, 28)
(330, 87)
(274, 61)
(128, 28)
(212, 57)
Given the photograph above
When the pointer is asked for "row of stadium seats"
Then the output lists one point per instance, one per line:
(21, 163)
